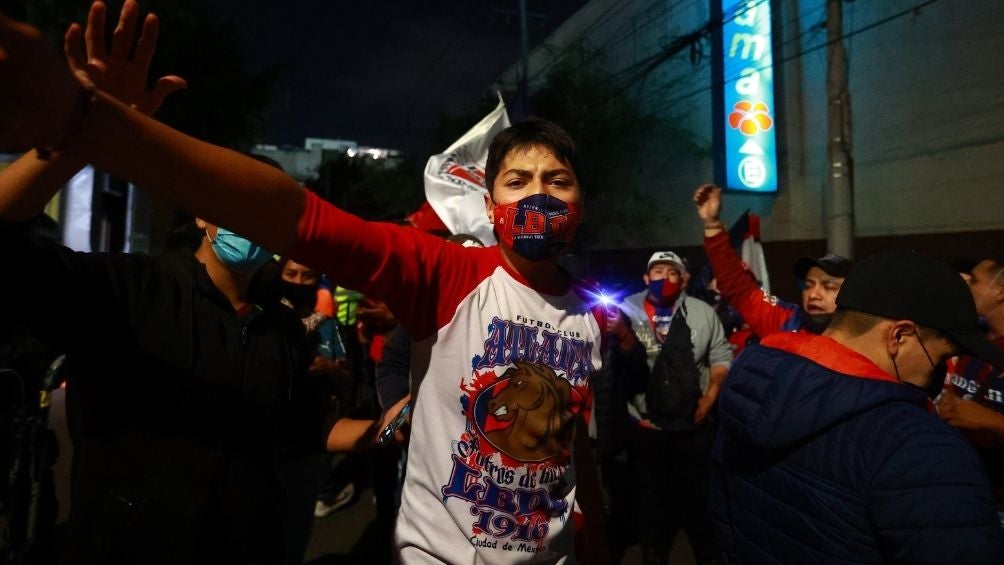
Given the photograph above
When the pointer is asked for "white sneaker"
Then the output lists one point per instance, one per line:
(345, 496)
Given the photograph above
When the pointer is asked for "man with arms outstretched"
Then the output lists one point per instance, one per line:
(505, 340)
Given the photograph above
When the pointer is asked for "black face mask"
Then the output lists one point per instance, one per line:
(302, 296)
(937, 383)
(934, 388)
(713, 298)
(816, 323)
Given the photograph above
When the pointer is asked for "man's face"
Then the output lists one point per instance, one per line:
(535, 170)
(919, 357)
(986, 291)
(820, 293)
(660, 271)
(296, 273)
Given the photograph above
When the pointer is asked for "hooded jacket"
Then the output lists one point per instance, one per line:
(822, 457)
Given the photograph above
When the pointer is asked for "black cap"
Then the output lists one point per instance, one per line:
(905, 285)
(833, 265)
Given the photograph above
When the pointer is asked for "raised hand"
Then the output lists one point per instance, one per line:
(617, 323)
(708, 199)
(40, 96)
(120, 71)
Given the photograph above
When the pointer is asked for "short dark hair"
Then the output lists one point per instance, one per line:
(857, 323)
(524, 135)
(853, 322)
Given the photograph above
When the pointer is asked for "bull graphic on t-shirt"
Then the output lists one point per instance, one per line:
(538, 407)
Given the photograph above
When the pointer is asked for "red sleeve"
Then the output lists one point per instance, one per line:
(421, 278)
(764, 313)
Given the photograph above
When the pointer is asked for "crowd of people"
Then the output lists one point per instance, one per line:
(201, 381)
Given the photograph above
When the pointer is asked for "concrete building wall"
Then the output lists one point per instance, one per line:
(927, 99)
(301, 164)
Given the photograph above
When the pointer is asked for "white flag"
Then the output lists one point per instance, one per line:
(748, 228)
(455, 179)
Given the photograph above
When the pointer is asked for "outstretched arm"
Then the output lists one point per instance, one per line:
(42, 104)
(28, 183)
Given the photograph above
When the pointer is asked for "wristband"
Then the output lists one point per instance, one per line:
(714, 226)
(88, 94)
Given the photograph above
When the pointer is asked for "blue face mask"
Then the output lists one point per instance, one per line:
(537, 227)
(664, 292)
(238, 253)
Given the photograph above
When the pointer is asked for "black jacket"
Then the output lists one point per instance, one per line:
(179, 409)
(827, 465)
(624, 375)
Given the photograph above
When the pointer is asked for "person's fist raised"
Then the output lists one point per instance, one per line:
(708, 200)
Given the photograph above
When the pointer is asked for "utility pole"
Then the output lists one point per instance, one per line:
(524, 18)
(840, 181)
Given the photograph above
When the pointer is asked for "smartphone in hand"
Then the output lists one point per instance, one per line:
(399, 421)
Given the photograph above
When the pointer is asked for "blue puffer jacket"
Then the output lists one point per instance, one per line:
(814, 466)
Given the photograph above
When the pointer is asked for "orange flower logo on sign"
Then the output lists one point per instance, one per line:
(750, 118)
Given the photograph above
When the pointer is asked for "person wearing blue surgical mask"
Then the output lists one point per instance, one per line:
(188, 390)
(237, 252)
(231, 260)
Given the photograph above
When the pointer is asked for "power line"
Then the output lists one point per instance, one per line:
(666, 103)
(649, 63)
(624, 36)
(682, 42)
(804, 52)
(568, 45)
(699, 66)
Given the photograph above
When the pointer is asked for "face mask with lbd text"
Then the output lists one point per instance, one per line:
(537, 227)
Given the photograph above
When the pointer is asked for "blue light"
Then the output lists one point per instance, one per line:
(748, 75)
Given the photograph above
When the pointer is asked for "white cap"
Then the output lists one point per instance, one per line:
(668, 257)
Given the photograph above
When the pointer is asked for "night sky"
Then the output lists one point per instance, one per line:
(380, 72)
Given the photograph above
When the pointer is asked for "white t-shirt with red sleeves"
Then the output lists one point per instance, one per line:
(500, 373)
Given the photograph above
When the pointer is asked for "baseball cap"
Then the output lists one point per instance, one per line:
(833, 265)
(905, 285)
(667, 257)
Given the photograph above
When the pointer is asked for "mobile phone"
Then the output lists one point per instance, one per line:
(387, 435)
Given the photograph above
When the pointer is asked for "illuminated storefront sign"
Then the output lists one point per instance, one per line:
(744, 81)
